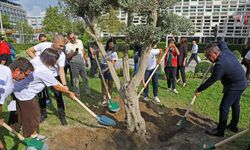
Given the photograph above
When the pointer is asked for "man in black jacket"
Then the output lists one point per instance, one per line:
(227, 69)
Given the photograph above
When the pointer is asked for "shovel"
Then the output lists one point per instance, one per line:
(183, 119)
(211, 147)
(31, 143)
(152, 74)
(101, 119)
(112, 105)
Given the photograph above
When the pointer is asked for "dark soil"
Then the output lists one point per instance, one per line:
(162, 132)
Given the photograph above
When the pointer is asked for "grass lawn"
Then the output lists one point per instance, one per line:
(207, 103)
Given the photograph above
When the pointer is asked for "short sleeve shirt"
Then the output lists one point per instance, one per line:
(152, 59)
(6, 83)
(39, 48)
(27, 89)
(112, 55)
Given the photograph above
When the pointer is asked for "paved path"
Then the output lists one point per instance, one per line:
(131, 64)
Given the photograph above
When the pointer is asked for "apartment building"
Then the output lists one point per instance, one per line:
(13, 10)
(231, 17)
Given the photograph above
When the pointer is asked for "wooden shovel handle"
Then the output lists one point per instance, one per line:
(232, 138)
(85, 107)
(13, 131)
(103, 79)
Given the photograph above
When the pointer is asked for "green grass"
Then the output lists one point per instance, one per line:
(207, 103)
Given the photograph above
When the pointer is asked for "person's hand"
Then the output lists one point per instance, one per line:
(66, 87)
(1, 122)
(184, 63)
(1, 146)
(87, 64)
(144, 84)
(197, 93)
(71, 95)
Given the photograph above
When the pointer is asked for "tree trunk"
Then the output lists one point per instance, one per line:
(134, 120)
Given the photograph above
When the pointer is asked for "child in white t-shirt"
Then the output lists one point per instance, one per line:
(113, 57)
(152, 63)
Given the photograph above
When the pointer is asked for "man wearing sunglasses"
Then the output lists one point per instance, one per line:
(17, 70)
(227, 69)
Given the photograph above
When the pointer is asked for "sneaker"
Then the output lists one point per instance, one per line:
(184, 84)
(39, 137)
(175, 91)
(146, 99)
(157, 99)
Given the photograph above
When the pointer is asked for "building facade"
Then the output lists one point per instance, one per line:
(230, 16)
(15, 11)
(36, 22)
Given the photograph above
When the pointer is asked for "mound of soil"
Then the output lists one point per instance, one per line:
(162, 132)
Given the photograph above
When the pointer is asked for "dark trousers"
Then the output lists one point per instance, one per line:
(171, 76)
(66, 68)
(43, 96)
(193, 56)
(58, 96)
(93, 69)
(183, 74)
(154, 81)
(230, 99)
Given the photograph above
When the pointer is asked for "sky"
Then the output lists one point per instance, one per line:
(35, 7)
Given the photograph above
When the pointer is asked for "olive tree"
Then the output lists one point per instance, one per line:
(90, 10)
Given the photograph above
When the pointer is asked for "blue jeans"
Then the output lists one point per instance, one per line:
(136, 63)
(154, 81)
(230, 99)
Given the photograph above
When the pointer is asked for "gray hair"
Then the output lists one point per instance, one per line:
(212, 47)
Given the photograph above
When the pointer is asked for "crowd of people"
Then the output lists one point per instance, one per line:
(25, 79)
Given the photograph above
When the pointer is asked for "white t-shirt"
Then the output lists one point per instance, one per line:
(152, 59)
(6, 83)
(39, 48)
(247, 55)
(112, 56)
(27, 89)
(71, 47)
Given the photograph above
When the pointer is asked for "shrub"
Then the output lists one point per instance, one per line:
(202, 67)
(237, 54)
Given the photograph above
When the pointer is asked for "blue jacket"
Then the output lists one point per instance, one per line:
(227, 69)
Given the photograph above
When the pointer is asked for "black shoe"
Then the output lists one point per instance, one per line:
(232, 128)
(63, 121)
(42, 118)
(215, 132)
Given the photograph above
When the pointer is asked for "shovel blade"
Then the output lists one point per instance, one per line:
(208, 147)
(31, 142)
(106, 121)
(181, 122)
(113, 106)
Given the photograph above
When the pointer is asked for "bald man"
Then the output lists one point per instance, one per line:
(58, 71)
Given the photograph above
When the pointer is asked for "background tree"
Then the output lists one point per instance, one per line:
(89, 11)
(25, 31)
(110, 22)
(6, 21)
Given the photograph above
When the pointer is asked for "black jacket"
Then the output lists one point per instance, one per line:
(227, 69)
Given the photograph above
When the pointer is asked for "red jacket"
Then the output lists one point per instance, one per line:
(4, 48)
(171, 58)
